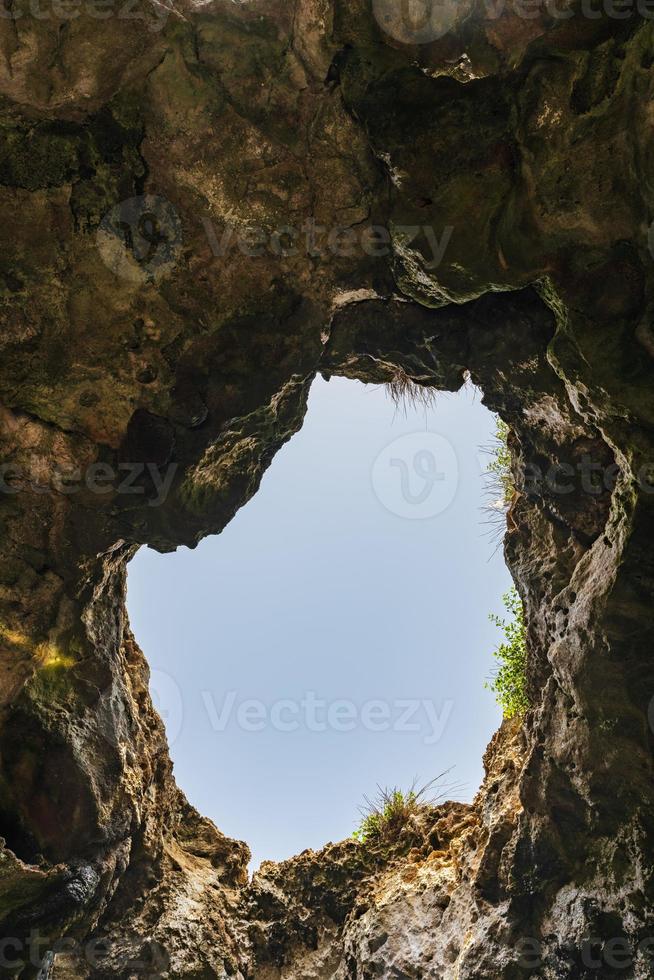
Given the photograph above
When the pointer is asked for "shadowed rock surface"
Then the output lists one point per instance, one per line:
(153, 362)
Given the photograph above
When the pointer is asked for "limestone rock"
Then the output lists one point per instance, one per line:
(192, 201)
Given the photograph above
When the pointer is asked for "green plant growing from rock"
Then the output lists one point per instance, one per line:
(500, 486)
(499, 468)
(386, 816)
(509, 682)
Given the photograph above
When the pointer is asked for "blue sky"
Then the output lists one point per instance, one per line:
(335, 636)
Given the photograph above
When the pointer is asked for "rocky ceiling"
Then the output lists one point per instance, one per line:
(202, 206)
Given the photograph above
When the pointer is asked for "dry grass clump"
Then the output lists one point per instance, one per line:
(405, 393)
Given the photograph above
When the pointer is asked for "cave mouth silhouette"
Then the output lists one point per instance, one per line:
(293, 668)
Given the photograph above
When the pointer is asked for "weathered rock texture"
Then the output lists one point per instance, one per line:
(157, 342)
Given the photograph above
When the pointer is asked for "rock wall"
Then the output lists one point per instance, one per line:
(202, 208)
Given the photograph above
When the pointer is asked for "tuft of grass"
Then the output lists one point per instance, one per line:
(509, 681)
(386, 816)
(500, 486)
(405, 393)
(499, 468)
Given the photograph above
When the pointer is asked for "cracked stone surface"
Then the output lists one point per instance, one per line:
(189, 201)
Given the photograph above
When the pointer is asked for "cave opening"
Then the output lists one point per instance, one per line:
(335, 636)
